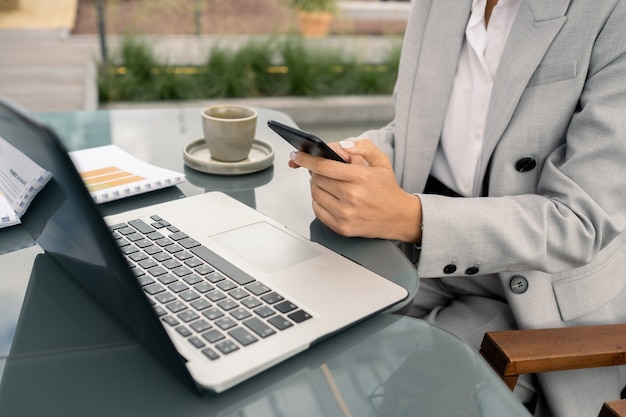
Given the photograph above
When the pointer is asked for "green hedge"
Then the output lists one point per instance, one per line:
(278, 67)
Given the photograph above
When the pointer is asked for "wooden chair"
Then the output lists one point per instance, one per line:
(516, 352)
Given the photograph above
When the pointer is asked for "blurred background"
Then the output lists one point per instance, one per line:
(95, 54)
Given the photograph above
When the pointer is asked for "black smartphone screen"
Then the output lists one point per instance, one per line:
(304, 141)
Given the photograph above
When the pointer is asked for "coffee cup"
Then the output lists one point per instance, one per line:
(229, 131)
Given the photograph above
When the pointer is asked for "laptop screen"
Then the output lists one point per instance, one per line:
(68, 226)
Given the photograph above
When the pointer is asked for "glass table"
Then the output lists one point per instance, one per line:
(60, 354)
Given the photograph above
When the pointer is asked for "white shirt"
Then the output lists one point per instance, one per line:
(458, 158)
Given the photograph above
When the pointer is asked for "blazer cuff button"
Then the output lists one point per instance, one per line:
(518, 284)
(473, 270)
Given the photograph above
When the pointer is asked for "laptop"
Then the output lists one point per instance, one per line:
(207, 282)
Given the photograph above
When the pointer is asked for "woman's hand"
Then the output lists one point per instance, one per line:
(361, 197)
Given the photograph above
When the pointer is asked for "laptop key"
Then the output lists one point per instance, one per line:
(272, 298)
(192, 279)
(204, 269)
(178, 235)
(251, 302)
(285, 306)
(134, 237)
(200, 304)
(188, 295)
(264, 311)
(240, 313)
(258, 327)
(225, 323)
(227, 347)
(177, 287)
(242, 336)
(176, 306)
(172, 263)
(210, 353)
(183, 331)
(279, 322)
(188, 243)
(153, 289)
(214, 277)
(257, 288)
(173, 249)
(227, 285)
(238, 294)
(117, 226)
(212, 336)
(144, 280)
(170, 320)
(138, 256)
(165, 297)
(161, 256)
(299, 316)
(152, 250)
(157, 271)
(155, 235)
(184, 255)
(213, 313)
(200, 325)
(128, 249)
(197, 342)
(143, 243)
(142, 226)
(227, 304)
(204, 287)
(188, 315)
(160, 311)
(215, 296)
(182, 271)
(167, 279)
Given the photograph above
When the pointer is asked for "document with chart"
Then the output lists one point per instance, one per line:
(111, 173)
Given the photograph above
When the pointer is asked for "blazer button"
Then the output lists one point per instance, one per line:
(449, 269)
(525, 164)
(472, 270)
(518, 284)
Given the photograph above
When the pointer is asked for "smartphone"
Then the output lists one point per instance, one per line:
(304, 141)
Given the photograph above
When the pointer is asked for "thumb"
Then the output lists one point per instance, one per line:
(366, 150)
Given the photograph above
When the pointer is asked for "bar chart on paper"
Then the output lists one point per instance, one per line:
(111, 173)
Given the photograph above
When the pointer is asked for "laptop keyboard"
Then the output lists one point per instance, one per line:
(217, 307)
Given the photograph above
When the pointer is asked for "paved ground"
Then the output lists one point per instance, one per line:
(241, 17)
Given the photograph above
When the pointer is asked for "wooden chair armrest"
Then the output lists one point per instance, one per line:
(517, 352)
(613, 409)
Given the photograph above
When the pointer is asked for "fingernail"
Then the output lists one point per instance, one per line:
(292, 155)
(346, 144)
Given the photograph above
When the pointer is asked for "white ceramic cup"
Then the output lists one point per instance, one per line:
(229, 131)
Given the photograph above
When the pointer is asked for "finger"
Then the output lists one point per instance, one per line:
(291, 162)
(368, 151)
(335, 146)
(325, 167)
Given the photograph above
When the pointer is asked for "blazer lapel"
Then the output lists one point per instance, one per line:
(535, 27)
(431, 87)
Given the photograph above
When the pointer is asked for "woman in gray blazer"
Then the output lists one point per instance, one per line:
(505, 169)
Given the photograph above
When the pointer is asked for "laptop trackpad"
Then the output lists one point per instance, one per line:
(266, 247)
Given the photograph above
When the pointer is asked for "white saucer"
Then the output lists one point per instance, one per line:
(198, 157)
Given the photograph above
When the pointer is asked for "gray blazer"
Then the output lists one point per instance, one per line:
(552, 226)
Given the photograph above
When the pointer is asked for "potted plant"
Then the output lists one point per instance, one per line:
(314, 16)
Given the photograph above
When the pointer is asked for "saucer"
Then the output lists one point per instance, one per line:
(197, 156)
